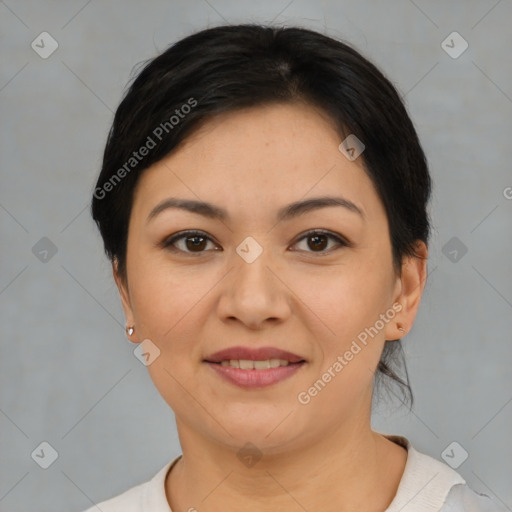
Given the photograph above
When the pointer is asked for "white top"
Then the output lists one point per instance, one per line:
(427, 485)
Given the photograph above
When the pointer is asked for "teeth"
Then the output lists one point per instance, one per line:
(246, 364)
(262, 365)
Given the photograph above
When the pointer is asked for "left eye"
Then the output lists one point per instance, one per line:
(197, 241)
(318, 240)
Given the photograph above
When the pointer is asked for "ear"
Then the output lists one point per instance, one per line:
(124, 293)
(410, 287)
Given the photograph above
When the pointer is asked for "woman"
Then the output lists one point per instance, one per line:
(263, 202)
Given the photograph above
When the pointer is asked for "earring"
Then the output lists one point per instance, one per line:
(129, 330)
(401, 329)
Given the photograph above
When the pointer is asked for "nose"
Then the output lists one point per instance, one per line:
(255, 293)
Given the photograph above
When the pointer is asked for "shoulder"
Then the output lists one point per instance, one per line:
(128, 501)
(429, 485)
(462, 498)
(146, 496)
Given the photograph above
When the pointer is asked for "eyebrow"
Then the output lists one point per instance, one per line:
(288, 212)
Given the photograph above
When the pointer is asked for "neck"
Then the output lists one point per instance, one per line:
(351, 468)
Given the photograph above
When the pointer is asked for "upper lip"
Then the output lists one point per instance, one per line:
(253, 354)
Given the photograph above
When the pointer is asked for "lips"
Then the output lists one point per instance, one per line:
(253, 354)
(254, 368)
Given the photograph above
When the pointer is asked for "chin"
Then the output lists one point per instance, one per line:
(266, 431)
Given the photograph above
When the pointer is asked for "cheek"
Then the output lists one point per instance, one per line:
(349, 301)
(165, 303)
(346, 299)
(170, 308)
(160, 289)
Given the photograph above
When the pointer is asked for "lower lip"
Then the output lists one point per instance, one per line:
(255, 378)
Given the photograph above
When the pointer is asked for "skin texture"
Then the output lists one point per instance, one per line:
(312, 302)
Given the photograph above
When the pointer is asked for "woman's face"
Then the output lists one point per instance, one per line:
(255, 278)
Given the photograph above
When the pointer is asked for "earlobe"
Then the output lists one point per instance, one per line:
(124, 294)
(412, 283)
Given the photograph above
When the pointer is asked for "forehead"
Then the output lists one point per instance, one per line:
(259, 159)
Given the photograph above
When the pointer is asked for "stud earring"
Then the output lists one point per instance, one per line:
(401, 329)
(130, 330)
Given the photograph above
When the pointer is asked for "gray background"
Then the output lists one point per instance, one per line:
(68, 374)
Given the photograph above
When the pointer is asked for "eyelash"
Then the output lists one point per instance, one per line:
(168, 243)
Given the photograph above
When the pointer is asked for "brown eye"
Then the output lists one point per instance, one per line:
(195, 242)
(318, 240)
(189, 242)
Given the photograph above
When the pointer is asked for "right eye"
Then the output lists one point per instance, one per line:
(192, 241)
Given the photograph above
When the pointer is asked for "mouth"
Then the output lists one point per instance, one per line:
(249, 354)
(248, 364)
(254, 368)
